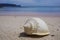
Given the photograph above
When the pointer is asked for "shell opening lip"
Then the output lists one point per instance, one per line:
(40, 34)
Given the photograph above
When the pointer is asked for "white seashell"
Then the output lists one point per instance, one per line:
(36, 26)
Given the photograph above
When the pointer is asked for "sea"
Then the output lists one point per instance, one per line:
(32, 9)
(37, 9)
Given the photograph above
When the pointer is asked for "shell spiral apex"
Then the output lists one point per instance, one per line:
(35, 26)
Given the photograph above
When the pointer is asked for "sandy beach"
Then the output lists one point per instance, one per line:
(11, 28)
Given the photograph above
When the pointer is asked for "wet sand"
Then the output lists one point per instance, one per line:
(11, 28)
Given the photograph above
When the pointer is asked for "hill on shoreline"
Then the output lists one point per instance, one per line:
(8, 5)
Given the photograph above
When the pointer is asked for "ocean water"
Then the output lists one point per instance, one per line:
(32, 9)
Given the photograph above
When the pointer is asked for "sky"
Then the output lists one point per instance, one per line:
(33, 2)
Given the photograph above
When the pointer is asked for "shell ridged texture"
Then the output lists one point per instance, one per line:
(35, 26)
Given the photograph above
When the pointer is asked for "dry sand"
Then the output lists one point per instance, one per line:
(11, 28)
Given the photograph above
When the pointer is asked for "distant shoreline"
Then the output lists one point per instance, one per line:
(15, 5)
(51, 14)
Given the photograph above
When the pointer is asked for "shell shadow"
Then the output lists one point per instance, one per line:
(32, 36)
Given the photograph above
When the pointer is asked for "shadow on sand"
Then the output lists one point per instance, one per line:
(32, 36)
